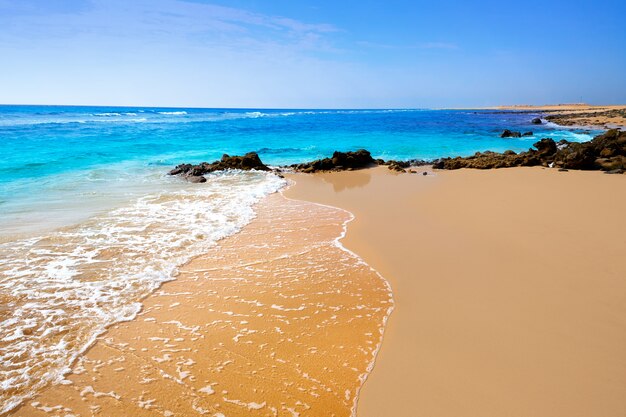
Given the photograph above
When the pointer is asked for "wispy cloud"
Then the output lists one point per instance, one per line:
(168, 52)
(159, 20)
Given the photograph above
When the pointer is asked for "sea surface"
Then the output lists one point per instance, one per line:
(90, 224)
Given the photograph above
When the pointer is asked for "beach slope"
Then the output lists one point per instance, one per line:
(510, 289)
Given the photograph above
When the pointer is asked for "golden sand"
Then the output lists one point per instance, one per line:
(278, 320)
(510, 300)
(510, 289)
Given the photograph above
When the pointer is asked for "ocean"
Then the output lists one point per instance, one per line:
(90, 222)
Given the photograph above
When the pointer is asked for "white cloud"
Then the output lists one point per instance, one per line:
(158, 20)
(170, 52)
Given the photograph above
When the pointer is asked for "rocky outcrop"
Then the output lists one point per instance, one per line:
(545, 147)
(605, 152)
(346, 161)
(488, 160)
(340, 161)
(195, 173)
(536, 121)
(509, 134)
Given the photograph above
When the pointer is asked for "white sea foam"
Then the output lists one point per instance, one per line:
(108, 114)
(173, 113)
(61, 290)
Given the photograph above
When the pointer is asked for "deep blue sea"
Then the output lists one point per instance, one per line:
(90, 223)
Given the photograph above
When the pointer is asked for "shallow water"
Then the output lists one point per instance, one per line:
(277, 320)
(63, 288)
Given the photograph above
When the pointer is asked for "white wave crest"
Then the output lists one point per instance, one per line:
(111, 114)
(173, 113)
(63, 289)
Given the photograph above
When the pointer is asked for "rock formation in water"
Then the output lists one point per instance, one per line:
(195, 173)
(605, 152)
(510, 134)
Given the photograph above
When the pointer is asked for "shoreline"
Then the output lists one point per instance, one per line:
(341, 182)
(324, 344)
(338, 242)
(431, 374)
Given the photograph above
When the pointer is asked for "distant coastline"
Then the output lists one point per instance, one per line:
(578, 114)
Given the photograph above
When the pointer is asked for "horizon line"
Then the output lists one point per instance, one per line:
(492, 107)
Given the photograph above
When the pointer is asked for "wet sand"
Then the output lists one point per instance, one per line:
(277, 320)
(510, 289)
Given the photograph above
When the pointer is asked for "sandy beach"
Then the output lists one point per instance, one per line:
(509, 289)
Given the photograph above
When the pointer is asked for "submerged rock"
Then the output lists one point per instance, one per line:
(196, 178)
(510, 134)
(194, 173)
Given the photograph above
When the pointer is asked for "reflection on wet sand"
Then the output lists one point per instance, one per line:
(358, 179)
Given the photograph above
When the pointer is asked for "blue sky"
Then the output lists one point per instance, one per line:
(311, 54)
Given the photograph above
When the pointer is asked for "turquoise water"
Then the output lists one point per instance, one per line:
(55, 155)
(90, 223)
(45, 140)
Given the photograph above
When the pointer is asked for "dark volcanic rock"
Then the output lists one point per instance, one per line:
(606, 152)
(576, 156)
(398, 166)
(247, 162)
(340, 161)
(527, 134)
(509, 134)
(194, 173)
(181, 169)
(546, 146)
(536, 121)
